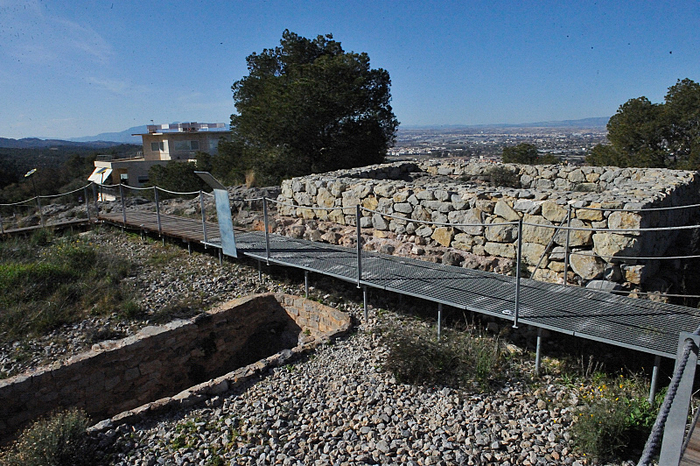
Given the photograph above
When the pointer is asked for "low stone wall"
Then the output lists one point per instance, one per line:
(604, 202)
(158, 362)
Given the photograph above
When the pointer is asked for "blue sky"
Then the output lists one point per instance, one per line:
(75, 68)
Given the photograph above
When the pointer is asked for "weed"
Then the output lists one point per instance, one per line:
(56, 440)
(459, 359)
(614, 417)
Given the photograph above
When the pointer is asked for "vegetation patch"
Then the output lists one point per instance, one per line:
(614, 417)
(460, 359)
(48, 282)
(58, 440)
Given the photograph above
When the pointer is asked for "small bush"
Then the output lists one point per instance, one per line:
(459, 359)
(59, 440)
(615, 417)
(502, 176)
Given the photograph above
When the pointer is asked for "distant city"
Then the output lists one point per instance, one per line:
(569, 142)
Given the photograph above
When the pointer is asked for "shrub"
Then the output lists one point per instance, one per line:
(58, 440)
(615, 417)
(502, 176)
(459, 359)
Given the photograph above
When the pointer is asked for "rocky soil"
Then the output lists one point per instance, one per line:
(336, 407)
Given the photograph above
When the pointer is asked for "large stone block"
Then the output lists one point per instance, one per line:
(532, 252)
(621, 220)
(443, 236)
(553, 212)
(576, 237)
(609, 245)
(590, 215)
(586, 265)
(504, 210)
(532, 233)
(499, 231)
(468, 221)
(501, 249)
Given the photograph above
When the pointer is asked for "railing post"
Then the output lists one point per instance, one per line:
(674, 429)
(267, 232)
(654, 379)
(87, 203)
(121, 195)
(566, 247)
(517, 272)
(359, 245)
(538, 351)
(41, 213)
(204, 215)
(94, 195)
(155, 194)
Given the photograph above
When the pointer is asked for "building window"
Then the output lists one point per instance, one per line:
(194, 145)
(143, 179)
(157, 146)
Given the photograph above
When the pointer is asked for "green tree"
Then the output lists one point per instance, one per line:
(175, 176)
(307, 106)
(526, 153)
(645, 134)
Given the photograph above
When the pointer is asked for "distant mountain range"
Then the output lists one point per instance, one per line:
(106, 140)
(598, 122)
(37, 143)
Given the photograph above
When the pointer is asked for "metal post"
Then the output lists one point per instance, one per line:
(364, 302)
(674, 430)
(121, 194)
(306, 283)
(654, 379)
(204, 216)
(566, 247)
(155, 194)
(87, 203)
(189, 248)
(517, 272)
(221, 258)
(439, 321)
(41, 213)
(2, 226)
(359, 249)
(94, 195)
(259, 271)
(538, 351)
(267, 234)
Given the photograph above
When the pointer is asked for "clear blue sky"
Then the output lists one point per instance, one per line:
(72, 68)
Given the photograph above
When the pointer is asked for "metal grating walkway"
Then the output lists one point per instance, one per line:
(641, 325)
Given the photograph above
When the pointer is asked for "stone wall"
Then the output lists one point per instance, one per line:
(158, 362)
(472, 217)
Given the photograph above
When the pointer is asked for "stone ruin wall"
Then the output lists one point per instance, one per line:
(158, 362)
(457, 192)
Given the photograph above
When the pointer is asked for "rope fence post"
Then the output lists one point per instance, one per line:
(204, 216)
(155, 195)
(359, 245)
(95, 197)
(566, 247)
(41, 211)
(517, 272)
(121, 195)
(674, 429)
(87, 203)
(267, 234)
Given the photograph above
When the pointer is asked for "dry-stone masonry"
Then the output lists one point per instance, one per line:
(454, 204)
(159, 362)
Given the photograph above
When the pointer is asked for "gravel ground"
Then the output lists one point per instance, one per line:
(336, 407)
